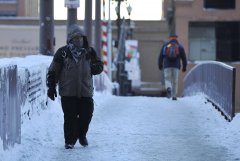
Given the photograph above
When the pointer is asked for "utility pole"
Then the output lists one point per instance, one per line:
(118, 18)
(71, 16)
(119, 21)
(98, 27)
(47, 40)
(121, 36)
(88, 20)
(109, 42)
(171, 17)
(71, 12)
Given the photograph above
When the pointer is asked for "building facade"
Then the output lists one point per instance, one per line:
(19, 8)
(209, 30)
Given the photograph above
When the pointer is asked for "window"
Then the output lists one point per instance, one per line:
(214, 41)
(220, 4)
(202, 41)
(227, 41)
(7, 1)
(7, 14)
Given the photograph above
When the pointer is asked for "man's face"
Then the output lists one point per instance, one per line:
(78, 41)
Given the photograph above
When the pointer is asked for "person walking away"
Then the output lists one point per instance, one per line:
(72, 68)
(170, 57)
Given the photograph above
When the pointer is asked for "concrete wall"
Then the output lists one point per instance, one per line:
(31, 8)
(151, 36)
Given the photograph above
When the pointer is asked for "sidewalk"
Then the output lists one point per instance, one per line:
(135, 129)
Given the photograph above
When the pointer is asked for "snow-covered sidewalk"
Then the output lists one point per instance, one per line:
(134, 129)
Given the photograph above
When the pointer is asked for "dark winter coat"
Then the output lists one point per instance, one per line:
(74, 78)
(164, 62)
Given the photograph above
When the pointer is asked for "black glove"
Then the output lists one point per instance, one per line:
(160, 67)
(96, 68)
(52, 93)
(183, 69)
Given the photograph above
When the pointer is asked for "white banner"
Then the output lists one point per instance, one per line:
(72, 3)
(132, 65)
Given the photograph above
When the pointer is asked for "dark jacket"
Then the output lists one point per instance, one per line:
(164, 62)
(74, 78)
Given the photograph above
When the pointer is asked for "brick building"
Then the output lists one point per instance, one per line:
(209, 29)
(19, 8)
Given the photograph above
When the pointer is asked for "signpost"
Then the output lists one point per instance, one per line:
(72, 3)
(72, 6)
(47, 40)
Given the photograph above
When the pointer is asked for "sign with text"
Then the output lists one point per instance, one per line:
(132, 65)
(19, 41)
(72, 3)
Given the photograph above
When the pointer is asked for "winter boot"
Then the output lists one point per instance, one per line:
(83, 141)
(69, 146)
(174, 98)
(169, 92)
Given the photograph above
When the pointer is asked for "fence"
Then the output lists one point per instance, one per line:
(217, 81)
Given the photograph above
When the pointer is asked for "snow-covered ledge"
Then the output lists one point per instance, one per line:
(23, 93)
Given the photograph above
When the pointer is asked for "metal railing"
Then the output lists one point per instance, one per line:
(10, 119)
(216, 81)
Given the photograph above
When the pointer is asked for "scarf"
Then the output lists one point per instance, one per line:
(76, 52)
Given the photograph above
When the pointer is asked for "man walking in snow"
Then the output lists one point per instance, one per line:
(169, 61)
(72, 68)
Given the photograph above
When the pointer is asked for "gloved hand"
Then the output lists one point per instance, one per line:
(52, 93)
(160, 67)
(183, 69)
(96, 68)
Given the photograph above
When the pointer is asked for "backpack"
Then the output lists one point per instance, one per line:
(172, 51)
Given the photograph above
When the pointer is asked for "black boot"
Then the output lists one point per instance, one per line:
(69, 146)
(83, 141)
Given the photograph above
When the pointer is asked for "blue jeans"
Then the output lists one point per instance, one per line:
(171, 80)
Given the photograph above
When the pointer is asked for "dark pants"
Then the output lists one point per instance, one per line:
(77, 117)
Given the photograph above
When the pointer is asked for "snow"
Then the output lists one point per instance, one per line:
(133, 128)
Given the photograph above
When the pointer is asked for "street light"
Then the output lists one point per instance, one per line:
(131, 24)
(118, 11)
(122, 76)
(129, 9)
